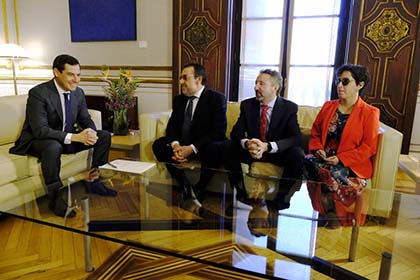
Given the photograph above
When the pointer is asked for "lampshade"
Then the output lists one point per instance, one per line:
(12, 51)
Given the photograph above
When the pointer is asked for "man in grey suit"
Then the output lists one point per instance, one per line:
(57, 122)
(267, 130)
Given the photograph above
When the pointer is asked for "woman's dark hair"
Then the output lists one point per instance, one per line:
(199, 71)
(63, 59)
(358, 72)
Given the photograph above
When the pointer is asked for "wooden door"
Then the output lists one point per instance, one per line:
(385, 38)
(200, 35)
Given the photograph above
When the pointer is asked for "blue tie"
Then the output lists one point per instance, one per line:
(69, 116)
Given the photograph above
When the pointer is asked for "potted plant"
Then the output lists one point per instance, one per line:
(120, 92)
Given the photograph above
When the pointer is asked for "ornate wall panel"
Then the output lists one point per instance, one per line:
(200, 35)
(385, 38)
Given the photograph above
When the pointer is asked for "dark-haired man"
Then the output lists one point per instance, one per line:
(267, 130)
(52, 111)
(196, 129)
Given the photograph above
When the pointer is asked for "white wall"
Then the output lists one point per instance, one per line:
(44, 27)
(45, 30)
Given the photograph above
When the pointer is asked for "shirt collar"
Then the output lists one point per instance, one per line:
(271, 103)
(199, 92)
(59, 89)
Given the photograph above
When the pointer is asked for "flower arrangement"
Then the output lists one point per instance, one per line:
(120, 94)
(119, 91)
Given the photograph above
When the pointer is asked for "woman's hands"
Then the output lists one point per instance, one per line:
(333, 160)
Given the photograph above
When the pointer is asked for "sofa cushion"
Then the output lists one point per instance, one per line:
(11, 127)
(70, 160)
(232, 115)
(161, 124)
(13, 167)
(306, 116)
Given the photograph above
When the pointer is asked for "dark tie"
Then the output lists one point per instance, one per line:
(69, 116)
(263, 122)
(186, 125)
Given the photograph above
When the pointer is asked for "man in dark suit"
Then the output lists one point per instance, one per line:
(267, 130)
(196, 130)
(53, 110)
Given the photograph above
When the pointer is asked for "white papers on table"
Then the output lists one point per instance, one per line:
(131, 166)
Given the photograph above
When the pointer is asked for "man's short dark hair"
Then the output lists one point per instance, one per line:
(63, 59)
(199, 71)
(359, 73)
(276, 78)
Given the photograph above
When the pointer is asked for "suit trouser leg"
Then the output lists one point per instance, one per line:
(234, 156)
(163, 153)
(211, 157)
(101, 148)
(292, 162)
(49, 152)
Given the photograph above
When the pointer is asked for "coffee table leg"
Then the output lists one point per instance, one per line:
(385, 270)
(88, 249)
(353, 242)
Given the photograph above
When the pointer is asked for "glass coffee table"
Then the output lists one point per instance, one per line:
(231, 236)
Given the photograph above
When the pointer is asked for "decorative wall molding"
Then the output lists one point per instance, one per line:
(387, 30)
(200, 34)
(91, 73)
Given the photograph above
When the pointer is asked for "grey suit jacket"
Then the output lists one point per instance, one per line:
(44, 116)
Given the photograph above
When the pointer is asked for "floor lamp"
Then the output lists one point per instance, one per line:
(13, 53)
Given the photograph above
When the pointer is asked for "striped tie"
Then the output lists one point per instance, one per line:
(263, 122)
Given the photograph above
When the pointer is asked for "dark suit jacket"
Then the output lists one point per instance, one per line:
(208, 123)
(283, 129)
(44, 116)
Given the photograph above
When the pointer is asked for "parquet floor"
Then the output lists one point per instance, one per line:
(33, 251)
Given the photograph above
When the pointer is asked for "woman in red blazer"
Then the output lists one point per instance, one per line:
(343, 141)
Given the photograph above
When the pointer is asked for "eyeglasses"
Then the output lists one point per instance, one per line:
(344, 81)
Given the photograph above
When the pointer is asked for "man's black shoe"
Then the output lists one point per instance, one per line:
(229, 211)
(279, 202)
(242, 196)
(186, 192)
(59, 207)
(99, 188)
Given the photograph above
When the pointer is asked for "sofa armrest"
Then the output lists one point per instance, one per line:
(385, 170)
(96, 117)
(152, 126)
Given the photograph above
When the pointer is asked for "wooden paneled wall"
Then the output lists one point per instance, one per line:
(385, 37)
(200, 35)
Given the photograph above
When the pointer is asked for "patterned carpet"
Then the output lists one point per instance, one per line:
(135, 263)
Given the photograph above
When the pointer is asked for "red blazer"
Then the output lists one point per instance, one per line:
(359, 138)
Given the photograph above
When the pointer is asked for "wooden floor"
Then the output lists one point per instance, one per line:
(33, 251)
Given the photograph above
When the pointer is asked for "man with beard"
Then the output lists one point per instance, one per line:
(195, 131)
(266, 130)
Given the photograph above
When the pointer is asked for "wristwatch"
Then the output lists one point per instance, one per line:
(269, 147)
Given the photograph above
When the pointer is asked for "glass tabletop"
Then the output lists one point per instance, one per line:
(252, 232)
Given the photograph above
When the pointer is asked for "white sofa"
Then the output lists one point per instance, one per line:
(152, 126)
(21, 176)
